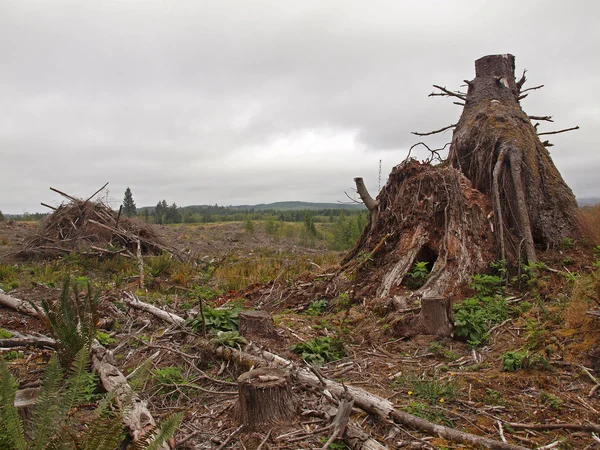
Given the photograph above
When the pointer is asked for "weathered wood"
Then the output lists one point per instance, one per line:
(265, 399)
(369, 202)
(256, 323)
(357, 439)
(25, 340)
(435, 315)
(138, 418)
(24, 403)
(18, 305)
(136, 303)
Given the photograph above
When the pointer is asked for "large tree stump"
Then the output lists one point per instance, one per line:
(256, 323)
(266, 398)
(435, 315)
(25, 402)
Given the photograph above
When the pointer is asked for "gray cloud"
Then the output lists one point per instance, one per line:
(247, 102)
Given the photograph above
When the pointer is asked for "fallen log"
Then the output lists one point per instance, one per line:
(137, 418)
(363, 399)
(25, 340)
(18, 305)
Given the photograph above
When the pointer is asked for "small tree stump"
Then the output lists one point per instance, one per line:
(256, 323)
(24, 402)
(266, 398)
(435, 315)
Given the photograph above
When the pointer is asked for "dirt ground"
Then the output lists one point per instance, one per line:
(443, 380)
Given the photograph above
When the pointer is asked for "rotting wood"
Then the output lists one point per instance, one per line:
(256, 323)
(27, 340)
(436, 315)
(265, 398)
(340, 421)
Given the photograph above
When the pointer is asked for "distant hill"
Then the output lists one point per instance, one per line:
(287, 206)
(588, 201)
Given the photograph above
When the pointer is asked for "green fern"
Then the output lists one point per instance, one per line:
(162, 431)
(71, 320)
(12, 434)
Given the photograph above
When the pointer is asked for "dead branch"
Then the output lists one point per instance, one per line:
(23, 340)
(522, 81)
(140, 263)
(340, 421)
(434, 132)
(559, 131)
(48, 206)
(64, 195)
(532, 88)
(95, 193)
(546, 118)
(447, 93)
(369, 202)
(136, 303)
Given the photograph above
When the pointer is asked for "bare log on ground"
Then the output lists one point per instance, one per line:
(357, 439)
(26, 340)
(256, 323)
(436, 315)
(136, 303)
(138, 418)
(265, 399)
(18, 305)
(363, 399)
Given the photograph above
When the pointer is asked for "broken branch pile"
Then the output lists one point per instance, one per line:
(93, 227)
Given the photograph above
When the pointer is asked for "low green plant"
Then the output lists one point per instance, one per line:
(567, 243)
(494, 397)
(487, 285)
(320, 350)
(105, 338)
(431, 390)
(417, 275)
(551, 400)
(474, 316)
(160, 265)
(5, 334)
(225, 319)
(12, 355)
(230, 339)
(516, 360)
(317, 307)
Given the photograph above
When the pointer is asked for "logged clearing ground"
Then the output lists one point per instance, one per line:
(528, 376)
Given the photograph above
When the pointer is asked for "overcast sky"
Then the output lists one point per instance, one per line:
(243, 102)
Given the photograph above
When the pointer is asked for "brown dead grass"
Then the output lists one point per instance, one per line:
(591, 214)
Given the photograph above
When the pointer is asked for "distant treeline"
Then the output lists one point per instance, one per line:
(163, 213)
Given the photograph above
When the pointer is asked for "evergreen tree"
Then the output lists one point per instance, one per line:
(128, 204)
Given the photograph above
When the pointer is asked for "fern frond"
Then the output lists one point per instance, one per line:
(164, 430)
(140, 375)
(12, 435)
(77, 381)
(104, 434)
(48, 411)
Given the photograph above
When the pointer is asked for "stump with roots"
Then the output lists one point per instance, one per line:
(265, 399)
(435, 315)
(256, 323)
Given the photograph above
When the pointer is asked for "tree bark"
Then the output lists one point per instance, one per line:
(435, 315)
(366, 198)
(256, 323)
(266, 399)
(497, 148)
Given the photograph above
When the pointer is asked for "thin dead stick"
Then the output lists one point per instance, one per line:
(94, 194)
(230, 437)
(48, 206)
(64, 195)
(447, 92)
(434, 132)
(555, 426)
(264, 440)
(559, 131)
(532, 88)
(546, 118)
(140, 262)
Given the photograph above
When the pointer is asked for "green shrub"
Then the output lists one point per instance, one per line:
(5, 334)
(230, 339)
(317, 307)
(216, 320)
(320, 350)
(516, 360)
(474, 316)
